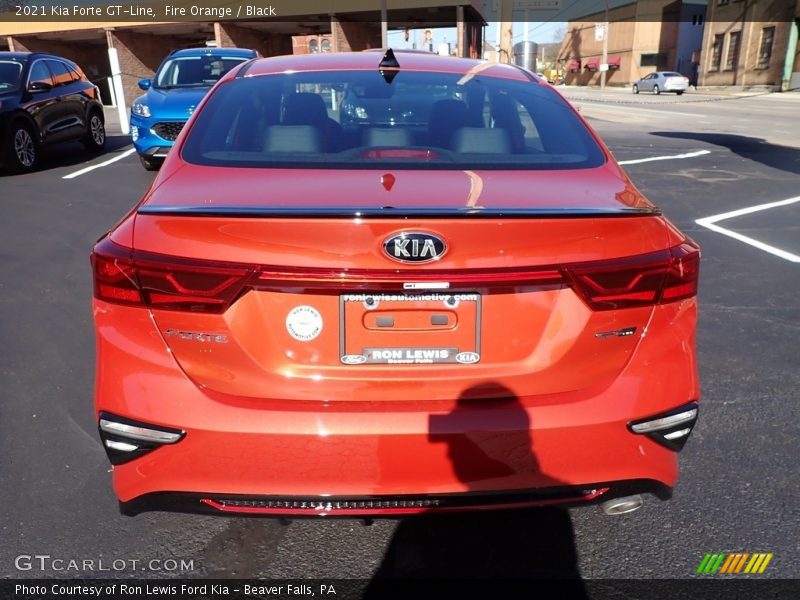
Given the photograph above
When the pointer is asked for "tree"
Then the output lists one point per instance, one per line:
(558, 34)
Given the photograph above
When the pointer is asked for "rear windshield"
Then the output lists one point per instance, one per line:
(359, 119)
(670, 74)
(195, 71)
(10, 71)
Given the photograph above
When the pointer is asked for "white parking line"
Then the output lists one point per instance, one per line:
(99, 165)
(709, 223)
(672, 157)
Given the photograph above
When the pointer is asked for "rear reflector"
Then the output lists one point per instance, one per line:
(124, 276)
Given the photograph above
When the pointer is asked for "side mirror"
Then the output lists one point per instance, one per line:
(35, 87)
(144, 84)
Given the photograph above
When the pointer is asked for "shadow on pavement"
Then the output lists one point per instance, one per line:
(493, 545)
(759, 150)
(70, 154)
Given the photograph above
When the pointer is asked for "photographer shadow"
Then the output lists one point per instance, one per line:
(524, 543)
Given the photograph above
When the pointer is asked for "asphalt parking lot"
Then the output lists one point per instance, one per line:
(739, 485)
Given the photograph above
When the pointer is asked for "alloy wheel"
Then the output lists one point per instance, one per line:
(97, 130)
(24, 148)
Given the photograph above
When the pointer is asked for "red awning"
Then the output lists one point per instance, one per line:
(574, 65)
(592, 64)
(614, 61)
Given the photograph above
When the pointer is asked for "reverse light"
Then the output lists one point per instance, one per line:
(670, 429)
(125, 440)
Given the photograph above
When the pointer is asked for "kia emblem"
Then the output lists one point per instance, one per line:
(414, 247)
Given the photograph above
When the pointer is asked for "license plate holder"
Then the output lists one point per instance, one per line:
(403, 328)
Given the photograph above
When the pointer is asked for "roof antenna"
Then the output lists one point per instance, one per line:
(389, 67)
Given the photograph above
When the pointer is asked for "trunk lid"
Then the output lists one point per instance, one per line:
(330, 317)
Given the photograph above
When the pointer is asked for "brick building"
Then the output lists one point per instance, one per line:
(643, 36)
(752, 43)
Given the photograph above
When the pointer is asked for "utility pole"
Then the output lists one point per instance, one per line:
(604, 60)
(506, 31)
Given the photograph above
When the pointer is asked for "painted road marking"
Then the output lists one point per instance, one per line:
(672, 157)
(100, 165)
(710, 223)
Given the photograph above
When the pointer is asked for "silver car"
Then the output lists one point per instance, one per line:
(662, 81)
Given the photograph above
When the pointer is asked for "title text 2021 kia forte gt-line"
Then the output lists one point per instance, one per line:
(466, 307)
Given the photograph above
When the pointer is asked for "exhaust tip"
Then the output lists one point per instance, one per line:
(622, 506)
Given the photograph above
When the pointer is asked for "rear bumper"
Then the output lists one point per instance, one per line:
(388, 506)
(480, 454)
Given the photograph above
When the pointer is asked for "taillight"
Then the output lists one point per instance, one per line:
(155, 281)
(123, 276)
(656, 278)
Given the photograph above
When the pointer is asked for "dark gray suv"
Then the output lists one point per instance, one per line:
(45, 99)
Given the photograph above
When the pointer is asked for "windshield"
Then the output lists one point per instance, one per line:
(358, 119)
(195, 71)
(10, 71)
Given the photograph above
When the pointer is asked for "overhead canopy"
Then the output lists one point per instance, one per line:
(574, 65)
(614, 61)
(592, 64)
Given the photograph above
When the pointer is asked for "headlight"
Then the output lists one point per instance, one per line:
(140, 110)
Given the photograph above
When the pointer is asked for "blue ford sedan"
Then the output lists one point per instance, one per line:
(171, 96)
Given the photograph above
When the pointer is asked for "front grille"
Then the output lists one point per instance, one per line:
(168, 130)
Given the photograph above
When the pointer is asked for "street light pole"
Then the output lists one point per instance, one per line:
(604, 61)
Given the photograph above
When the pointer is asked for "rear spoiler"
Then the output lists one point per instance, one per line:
(395, 213)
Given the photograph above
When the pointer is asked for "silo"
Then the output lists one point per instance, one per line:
(525, 55)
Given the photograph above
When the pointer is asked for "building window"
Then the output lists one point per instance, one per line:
(765, 50)
(732, 59)
(697, 19)
(653, 60)
(313, 46)
(325, 46)
(716, 53)
(722, 2)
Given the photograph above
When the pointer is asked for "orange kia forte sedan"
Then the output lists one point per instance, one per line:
(383, 284)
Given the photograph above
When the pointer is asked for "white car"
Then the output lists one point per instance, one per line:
(662, 81)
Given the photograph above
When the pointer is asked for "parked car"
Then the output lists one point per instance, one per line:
(44, 100)
(179, 84)
(305, 317)
(662, 81)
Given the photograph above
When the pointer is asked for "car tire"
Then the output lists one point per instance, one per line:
(635, 89)
(95, 138)
(656, 90)
(150, 164)
(680, 93)
(22, 148)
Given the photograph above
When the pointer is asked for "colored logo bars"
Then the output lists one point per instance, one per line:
(732, 563)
